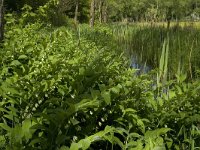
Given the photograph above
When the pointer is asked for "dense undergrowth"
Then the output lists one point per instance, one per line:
(64, 89)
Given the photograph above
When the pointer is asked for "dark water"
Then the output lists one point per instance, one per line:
(141, 67)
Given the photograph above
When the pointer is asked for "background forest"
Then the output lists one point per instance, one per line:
(115, 10)
(99, 74)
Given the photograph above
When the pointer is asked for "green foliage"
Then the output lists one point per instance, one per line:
(65, 89)
(16, 5)
(48, 13)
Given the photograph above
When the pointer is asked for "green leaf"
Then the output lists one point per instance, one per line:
(64, 148)
(85, 144)
(29, 50)
(54, 59)
(141, 125)
(107, 97)
(129, 110)
(5, 127)
(26, 129)
(95, 93)
(82, 71)
(13, 109)
(156, 133)
(17, 133)
(115, 90)
(61, 91)
(172, 94)
(128, 83)
(74, 121)
(23, 57)
(122, 131)
(32, 14)
(102, 87)
(10, 90)
(74, 146)
(85, 104)
(134, 135)
(15, 63)
(9, 116)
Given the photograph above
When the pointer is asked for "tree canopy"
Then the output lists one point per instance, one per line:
(118, 10)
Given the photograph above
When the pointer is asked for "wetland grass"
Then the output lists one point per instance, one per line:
(145, 43)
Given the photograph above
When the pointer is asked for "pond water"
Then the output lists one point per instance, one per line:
(142, 67)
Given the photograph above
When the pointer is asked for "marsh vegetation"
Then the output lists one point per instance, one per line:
(110, 84)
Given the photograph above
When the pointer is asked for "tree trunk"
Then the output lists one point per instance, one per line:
(100, 10)
(1, 20)
(76, 12)
(168, 24)
(105, 14)
(169, 17)
(92, 13)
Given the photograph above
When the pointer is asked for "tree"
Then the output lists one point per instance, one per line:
(1, 19)
(105, 12)
(171, 10)
(65, 5)
(101, 10)
(92, 13)
(76, 11)
(112, 10)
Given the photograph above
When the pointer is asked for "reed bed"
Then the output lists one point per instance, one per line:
(145, 43)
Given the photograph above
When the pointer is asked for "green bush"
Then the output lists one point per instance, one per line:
(46, 78)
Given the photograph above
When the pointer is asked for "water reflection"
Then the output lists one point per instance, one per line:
(142, 68)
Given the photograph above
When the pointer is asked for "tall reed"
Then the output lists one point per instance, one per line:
(145, 43)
